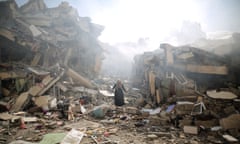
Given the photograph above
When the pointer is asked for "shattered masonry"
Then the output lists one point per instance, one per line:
(49, 63)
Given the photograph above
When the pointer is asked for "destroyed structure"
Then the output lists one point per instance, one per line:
(40, 45)
(50, 60)
(201, 88)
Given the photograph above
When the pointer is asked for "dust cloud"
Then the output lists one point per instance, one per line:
(133, 27)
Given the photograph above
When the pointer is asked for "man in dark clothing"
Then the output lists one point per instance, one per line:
(118, 94)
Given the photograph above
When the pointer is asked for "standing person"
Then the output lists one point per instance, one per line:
(118, 93)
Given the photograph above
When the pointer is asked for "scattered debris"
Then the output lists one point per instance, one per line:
(190, 129)
(73, 137)
(50, 92)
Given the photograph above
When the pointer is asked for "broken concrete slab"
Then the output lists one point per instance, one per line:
(8, 34)
(78, 78)
(42, 101)
(190, 129)
(35, 31)
(106, 93)
(36, 59)
(231, 122)
(230, 138)
(30, 119)
(49, 82)
(221, 95)
(38, 21)
(9, 75)
(39, 72)
(20, 102)
(7, 116)
(204, 69)
(34, 90)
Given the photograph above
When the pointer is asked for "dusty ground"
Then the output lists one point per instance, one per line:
(121, 128)
(118, 126)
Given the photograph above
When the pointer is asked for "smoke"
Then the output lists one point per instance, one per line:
(155, 21)
(119, 57)
(126, 20)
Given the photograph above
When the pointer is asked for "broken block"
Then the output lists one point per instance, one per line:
(190, 129)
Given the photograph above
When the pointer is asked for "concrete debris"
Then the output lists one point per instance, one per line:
(230, 138)
(193, 94)
(221, 94)
(51, 90)
(231, 122)
(190, 129)
(6, 116)
(73, 137)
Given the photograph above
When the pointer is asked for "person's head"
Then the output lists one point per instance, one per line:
(119, 82)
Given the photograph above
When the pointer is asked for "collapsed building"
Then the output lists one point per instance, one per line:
(199, 87)
(40, 45)
(48, 54)
(185, 68)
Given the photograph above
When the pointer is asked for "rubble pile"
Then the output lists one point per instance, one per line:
(50, 93)
(196, 90)
(48, 56)
(40, 46)
(47, 36)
